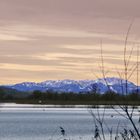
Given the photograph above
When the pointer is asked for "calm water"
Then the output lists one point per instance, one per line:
(43, 124)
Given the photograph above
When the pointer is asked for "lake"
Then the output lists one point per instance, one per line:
(30, 123)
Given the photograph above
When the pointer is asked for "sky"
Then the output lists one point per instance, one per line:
(60, 39)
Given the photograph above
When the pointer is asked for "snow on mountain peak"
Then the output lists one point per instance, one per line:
(76, 86)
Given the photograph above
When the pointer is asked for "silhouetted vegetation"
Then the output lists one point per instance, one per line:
(10, 95)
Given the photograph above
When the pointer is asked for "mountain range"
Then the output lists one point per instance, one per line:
(116, 85)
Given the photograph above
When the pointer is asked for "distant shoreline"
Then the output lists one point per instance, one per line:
(35, 106)
(15, 105)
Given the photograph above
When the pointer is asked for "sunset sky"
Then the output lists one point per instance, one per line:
(60, 39)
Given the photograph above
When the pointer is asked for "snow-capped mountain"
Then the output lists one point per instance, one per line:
(100, 86)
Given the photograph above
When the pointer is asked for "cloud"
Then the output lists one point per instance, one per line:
(60, 39)
(4, 37)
